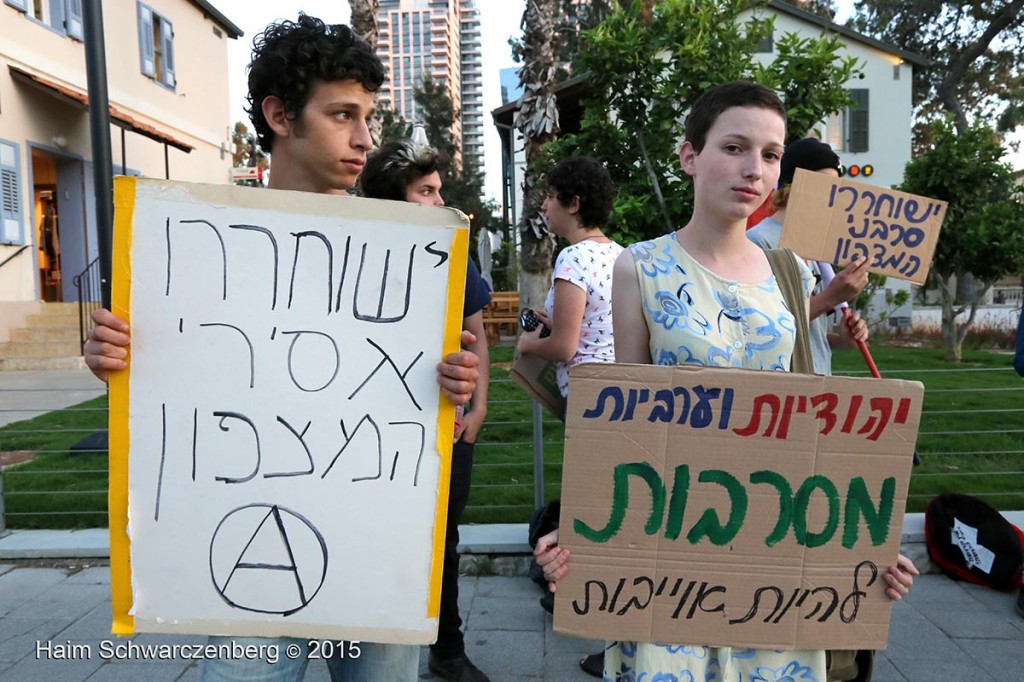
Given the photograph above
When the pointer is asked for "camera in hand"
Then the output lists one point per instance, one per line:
(529, 321)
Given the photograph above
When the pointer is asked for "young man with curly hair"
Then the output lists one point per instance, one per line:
(311, 93)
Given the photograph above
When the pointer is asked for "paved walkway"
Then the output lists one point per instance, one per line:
(24, 395)
(942, 631)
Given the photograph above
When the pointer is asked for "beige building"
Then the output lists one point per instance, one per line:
(169, 119)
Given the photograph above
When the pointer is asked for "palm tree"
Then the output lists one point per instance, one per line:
(538, 122)
(364, 24)
(364, 20)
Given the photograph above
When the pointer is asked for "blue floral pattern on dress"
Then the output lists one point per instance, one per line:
(792, 672)
(652, 260)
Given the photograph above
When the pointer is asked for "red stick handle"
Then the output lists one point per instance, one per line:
(863, 348)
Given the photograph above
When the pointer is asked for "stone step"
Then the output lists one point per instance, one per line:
(59, 308)
(28, 364)
(39, 349)
(41, 334)
(52, 320)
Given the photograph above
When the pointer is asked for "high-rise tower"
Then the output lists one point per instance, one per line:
(440, 38)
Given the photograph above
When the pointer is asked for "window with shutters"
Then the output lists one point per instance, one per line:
(857, 122)
(156, 46)
(62, 16)
(10, 195)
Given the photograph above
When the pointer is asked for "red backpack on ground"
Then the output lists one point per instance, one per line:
(970, 540)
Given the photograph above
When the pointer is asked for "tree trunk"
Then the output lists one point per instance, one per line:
(538, 121)
(947, 290)
(364, 24)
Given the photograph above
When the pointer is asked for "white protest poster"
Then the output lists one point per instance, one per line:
(280, 448)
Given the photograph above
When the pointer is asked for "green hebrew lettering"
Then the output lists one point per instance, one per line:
(802, 500)
(781, 485)
(708, 525)
(858, 503)
(620, 502)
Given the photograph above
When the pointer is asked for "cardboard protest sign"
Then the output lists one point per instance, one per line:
(538, 378)
(280, 449)
(729, 507)
(834, 219)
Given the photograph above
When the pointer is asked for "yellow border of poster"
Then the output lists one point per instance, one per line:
(446, 411)
(121, 294)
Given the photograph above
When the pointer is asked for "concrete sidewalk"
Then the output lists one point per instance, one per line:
(28, 394)
(943, 631)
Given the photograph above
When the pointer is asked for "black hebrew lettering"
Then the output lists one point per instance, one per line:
(302, 441)
(264, 574)
(163, 458)
(299, 236)
(367, 419)
(830, 591)
(224, 416)
(273, 244)
(248, 343)
(379, 315)
(344, 273)
(419, 455)
(401, 375)
(584, 609)
(291, 359)
(223, 255)
(851, 604)
(442, 256)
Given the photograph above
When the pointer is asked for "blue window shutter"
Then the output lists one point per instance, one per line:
(18, 4)
(73, 22)
(147, 52)
(167, 50)
(57, 15)
(11, 231)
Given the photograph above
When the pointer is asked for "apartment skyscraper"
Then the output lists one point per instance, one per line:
(440, 38)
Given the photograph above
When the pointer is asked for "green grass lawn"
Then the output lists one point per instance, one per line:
(971, 441)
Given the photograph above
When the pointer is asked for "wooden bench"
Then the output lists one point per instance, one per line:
(501, 315)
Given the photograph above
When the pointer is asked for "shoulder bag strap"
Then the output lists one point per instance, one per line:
(783, 262)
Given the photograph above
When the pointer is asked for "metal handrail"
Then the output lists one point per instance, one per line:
(90, 297)
(13, 255)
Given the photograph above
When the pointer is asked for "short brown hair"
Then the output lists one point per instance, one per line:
(710, 105)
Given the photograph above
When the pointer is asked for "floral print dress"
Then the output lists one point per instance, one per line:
(696, 317)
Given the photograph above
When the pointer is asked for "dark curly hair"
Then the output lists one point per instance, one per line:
(587, 178)
(713, 102)
(390, 170)
(289, 56)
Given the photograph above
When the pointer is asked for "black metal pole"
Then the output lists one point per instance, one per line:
(99, 128)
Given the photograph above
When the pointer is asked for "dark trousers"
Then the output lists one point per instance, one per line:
(449, 633)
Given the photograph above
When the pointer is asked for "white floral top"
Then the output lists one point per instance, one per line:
(588, 265)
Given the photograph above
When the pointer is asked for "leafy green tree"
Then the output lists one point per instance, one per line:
(646, 68)
(981, 236)
(974, 48)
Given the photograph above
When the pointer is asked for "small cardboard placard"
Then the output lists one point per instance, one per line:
(835, 219)
(538, 378)
(280, 450)
(729, 507)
